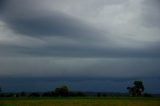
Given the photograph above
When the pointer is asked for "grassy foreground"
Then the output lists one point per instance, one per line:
(84, 101)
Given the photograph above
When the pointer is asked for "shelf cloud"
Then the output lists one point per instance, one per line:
(80, 38)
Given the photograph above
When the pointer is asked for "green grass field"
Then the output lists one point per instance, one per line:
(81, 101)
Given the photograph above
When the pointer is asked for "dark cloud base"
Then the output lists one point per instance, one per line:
(30, 84)
(25, 20)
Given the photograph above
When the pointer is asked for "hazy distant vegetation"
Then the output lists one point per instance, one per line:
(62, 96)
(63, 91)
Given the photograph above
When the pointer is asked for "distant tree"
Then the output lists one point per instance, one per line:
(0, 89)
(80, 94)
(35, 94)
(76, 94)
(48, 94)
(23, 94)
(62, 91)
(136, 89)
(147, 95)
(139, 87)
(98, 94)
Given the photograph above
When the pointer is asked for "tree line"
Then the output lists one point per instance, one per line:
(135, 90)
(62, 91)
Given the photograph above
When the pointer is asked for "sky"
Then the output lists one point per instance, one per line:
(89, 45)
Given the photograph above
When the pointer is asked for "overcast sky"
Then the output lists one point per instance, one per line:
(88, 40)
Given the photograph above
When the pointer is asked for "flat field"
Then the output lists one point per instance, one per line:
(80, 101)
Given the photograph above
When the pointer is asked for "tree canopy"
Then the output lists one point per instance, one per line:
(62, 91)
(136, 89)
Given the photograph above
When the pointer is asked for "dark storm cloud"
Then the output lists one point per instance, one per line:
(65, 35)
(79, 42)
(29, 21)
(2, 4)
(41, 23)
(50, 24)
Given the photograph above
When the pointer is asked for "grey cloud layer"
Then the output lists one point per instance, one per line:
(88, 41)
(78, 67)
(80, 29)
(151, 16)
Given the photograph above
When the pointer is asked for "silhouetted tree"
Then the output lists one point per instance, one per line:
(35, 94)
(48, 94)
(23, 94)
(99, 94)
(0, 92)
(139, 87)
(62, 91)
(136, 89)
